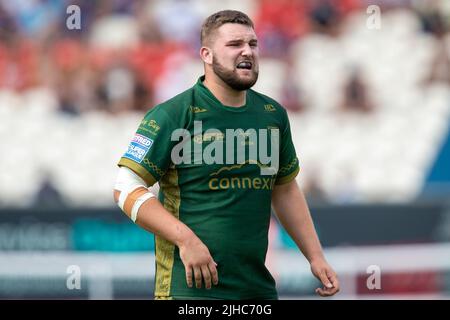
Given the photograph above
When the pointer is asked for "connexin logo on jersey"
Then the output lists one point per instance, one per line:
(138, 148)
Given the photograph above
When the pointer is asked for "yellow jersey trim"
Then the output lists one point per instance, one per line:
(165, 250)
(138, 169)
(287, 178)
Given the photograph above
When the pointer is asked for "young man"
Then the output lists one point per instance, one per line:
(212, 215)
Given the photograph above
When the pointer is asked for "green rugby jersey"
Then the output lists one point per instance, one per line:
(228, 204)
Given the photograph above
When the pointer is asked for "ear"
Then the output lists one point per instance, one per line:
(206, 55)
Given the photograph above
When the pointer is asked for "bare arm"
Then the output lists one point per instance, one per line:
(292, 210)
(152, 216)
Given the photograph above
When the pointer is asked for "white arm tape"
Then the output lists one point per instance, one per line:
(123, 196)
(127, 179)
(126, 182)
(138, 203)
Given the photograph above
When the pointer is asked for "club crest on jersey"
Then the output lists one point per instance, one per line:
(138, 148)
(269, 108)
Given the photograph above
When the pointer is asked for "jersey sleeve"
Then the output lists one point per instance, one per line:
(148, 153)
(289, 164)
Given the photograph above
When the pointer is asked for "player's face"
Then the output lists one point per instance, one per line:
(235, 56)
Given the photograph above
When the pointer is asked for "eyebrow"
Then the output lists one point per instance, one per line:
(241, 40)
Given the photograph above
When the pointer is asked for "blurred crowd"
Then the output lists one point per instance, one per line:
(113, 59)
(118, 56)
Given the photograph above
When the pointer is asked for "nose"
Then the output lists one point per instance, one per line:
(247, 51)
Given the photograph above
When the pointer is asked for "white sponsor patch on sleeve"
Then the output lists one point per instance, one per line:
(138, 148)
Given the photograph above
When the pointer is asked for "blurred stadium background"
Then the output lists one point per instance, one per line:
(369, 111)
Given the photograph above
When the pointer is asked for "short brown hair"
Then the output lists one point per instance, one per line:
(214, 21)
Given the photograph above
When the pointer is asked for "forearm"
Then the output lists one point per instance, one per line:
(293, 213)
(196, 258)
(153, 217)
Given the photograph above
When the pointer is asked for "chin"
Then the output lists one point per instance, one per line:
(248, 81)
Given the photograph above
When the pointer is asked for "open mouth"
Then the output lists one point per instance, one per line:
(244, 65)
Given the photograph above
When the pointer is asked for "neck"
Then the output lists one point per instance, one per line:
(226, 95)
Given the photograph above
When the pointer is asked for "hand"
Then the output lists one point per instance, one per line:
(197, 259)
(322, 271)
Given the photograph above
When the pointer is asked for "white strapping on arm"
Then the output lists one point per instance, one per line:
(138, 204)
(127, 181)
